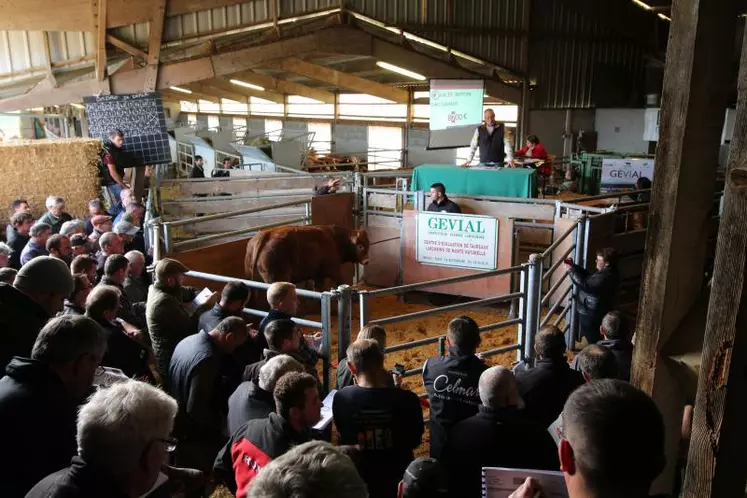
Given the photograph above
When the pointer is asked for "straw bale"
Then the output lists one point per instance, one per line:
(36, 169)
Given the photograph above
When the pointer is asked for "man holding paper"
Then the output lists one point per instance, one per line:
(489, 138)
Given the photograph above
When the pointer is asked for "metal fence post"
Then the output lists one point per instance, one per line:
(326, 320)
(579, 258)
(365, 312)
(307, 213)
(442, 346)
(156, 241)
(522, 328)
(344, 295)
(167, 243)
(533, 304)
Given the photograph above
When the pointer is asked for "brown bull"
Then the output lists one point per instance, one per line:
(300, 254)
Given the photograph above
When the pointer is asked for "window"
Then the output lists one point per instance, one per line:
(206, 106)
(10, 127)
(192, 119)
(322, 142)
(239, 122)
(213, 121)
(384, 147)
(309, 108)
(370, 108)
(234, 107)
(267, 107)
(274, 129)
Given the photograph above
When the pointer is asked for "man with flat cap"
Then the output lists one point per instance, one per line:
(37, 294)
(169, 321)
(424, 478)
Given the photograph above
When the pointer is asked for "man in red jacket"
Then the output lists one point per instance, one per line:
(256, 443)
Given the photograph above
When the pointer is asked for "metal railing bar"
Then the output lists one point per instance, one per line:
(499, 325)
(519, 200)
(299, 321)
(444, 309)
(388, 214)
(250, 283)
(557, 242)
(590, 209)
(561, 316)
(412, 344)
(244, 231)
(555, 306)
(559, 262)
(408, 193)
(219, 216)
(207, 200)
(529, 224)
(503, 349)
(632, 207)
(442, 281)
(608, 196)
(552, 291)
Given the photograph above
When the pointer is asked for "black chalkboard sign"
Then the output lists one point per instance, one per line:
(140, 117)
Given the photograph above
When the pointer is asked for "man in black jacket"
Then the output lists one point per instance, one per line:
(283, 337)
(546, 387)
(115, 274)
(198, 170)
(392, 415)
(258, 442)
(201, 383)
(38, 293)
(18, 236)
(596, 291)
(451, 381)
(614, 338)
(232, 303)
(498, 436)
(440, 203)
(122, 352)
(39, 399)
(283, 301)
(251, 400)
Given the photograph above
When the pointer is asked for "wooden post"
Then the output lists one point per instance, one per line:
(694, 99)
(719, 431)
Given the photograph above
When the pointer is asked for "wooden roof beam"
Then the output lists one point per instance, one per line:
(244, 91)
(286, 87)
(126, 47)
(154, 45)
(343, 80)
(99, 35)
(192, 97)
(203, 87)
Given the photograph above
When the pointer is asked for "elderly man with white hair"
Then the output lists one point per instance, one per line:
(123, 438)
(135, 285)
(251, 401)
(55, 215)
(72, 227)
(315, 468)
(498, 436)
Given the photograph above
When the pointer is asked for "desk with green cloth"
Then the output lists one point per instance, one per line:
(503, 182)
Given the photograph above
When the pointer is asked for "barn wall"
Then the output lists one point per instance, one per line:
(417, 153)
(350, 139)
(549, 125)
(621, 130)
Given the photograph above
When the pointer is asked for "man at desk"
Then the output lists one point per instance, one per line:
(489, 138)
(441, 203)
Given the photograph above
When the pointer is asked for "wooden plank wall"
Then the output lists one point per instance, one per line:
(414, 272)
(384, 232)
(335, 209)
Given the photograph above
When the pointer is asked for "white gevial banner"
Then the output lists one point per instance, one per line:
(457, 240)
(626, 171)
(455, 112)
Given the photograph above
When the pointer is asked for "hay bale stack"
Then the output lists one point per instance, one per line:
(36, 169)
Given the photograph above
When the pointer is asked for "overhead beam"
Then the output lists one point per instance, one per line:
(154, 45)
(694, 98)
(218, 92)
(74, 15)
(285, 87)
(44, 94)
(245, 92)
(99, 25)
(343, 80)
(126, 47)
(48, 59)
(193, 97)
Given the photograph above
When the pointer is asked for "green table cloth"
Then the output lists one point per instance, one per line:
(503, 182)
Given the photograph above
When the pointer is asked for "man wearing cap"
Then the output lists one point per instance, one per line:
(101, 224)
(424, 478)
(128, 233)
(39, 290)
(79, 245)
(168, 320)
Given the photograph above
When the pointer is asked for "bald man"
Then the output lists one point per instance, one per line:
(498, 436)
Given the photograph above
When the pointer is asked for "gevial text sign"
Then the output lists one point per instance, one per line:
(457, 240)
(626, 171)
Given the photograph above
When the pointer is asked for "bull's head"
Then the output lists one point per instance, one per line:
(360, 240)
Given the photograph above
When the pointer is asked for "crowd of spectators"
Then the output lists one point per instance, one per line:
(118, 386)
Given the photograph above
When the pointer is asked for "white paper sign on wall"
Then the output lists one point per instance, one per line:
(457, 240)
(626, 171)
